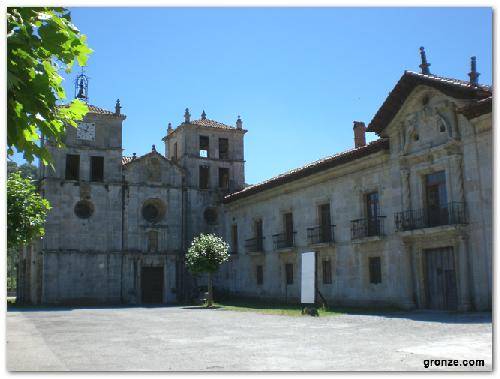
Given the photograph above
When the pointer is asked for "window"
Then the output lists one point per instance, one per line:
(223, 148)
(204, 146)
(175, 151)
(288, 223)
(259, 235)
(372, 213)
(84, 209)
(223, 178)
(204, 172)
(327, 272)
(325, 230)
(260, 275)
(96, 169)
(375, 271)
(436, 199)
(72, 167)
(289, 273)
(234, 239)
(152, 241)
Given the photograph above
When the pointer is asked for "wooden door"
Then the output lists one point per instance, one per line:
(152, 285)
(440, 279)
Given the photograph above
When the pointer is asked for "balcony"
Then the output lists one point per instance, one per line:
(450, 214)
(254, 245)
(367, 227)
(284, 240)
(321, 234)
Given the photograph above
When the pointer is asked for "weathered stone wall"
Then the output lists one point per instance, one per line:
(426, 135)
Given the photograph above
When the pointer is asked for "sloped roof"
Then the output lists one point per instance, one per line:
(211, 124)
(311, 168)
(477, 108)
(127, 159)
(453, 87)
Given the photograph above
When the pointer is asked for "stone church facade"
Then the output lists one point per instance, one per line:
(403, 221)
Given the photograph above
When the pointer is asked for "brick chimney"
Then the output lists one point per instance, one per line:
(359, 134)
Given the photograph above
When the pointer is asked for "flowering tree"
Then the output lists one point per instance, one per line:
(206, 254)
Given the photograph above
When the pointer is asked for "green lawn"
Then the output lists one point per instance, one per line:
(293, 309)
(271, 309)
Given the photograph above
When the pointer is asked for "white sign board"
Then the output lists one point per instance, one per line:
(307, 288)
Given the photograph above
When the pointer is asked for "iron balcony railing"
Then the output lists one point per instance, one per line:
(367, 227)
(254, 245)
(284, 240)
(321, 234)
(452, 213)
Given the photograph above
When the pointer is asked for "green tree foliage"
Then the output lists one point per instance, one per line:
(26, 211)
(206, 253)
(26, 170)
(40, 41)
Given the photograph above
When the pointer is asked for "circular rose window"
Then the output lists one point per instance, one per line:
(153, 210)
(84, 209)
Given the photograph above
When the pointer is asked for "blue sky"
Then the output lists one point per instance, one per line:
(297, 76)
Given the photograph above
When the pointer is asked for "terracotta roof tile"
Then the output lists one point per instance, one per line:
(452, 87)
(311, 168)
(477, 108)
(211, 124)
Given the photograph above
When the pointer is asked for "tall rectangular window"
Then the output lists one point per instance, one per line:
(96, 169)
(204, 176)
(260, 275)
(375, 270)
(234, 238)
(223, 148)
(289, 273)
(288, 223)
(259, 235)
(204, 146)
(325, 229)
(372, 213)
(327, 271)
(436, 199)
(175, 151)
(223, 178)
(72, 167)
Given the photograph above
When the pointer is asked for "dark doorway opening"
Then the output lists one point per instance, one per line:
(440, 275)
(152, 285)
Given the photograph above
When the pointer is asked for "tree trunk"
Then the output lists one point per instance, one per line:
(210, 296)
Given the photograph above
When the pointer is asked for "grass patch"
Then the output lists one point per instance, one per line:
(296, 309)
(271, 309)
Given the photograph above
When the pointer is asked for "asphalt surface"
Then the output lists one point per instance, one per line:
(192, 339)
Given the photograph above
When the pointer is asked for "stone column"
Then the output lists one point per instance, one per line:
(417, 276)
(462, 270)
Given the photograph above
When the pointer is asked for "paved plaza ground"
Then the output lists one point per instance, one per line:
(189, 338)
